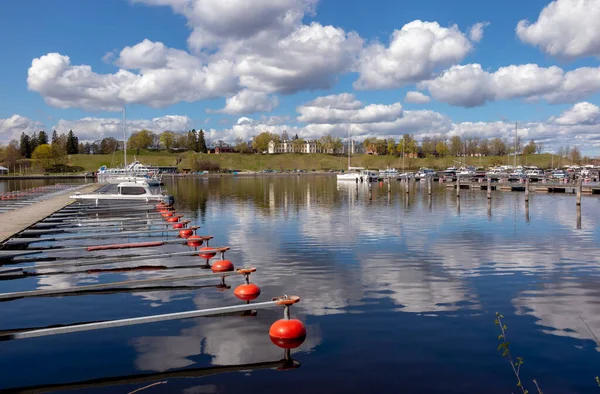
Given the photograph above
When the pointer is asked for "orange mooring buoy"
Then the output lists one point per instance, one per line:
(222, 266)
(173, 219)
(194, 241)
(178, 225)
(287, 334)
(247, 291)
(207, 252)
(185, 233)
(167, 214)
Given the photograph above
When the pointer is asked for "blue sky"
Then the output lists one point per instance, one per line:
(328, 46)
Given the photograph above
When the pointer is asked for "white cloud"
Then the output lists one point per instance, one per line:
(471, 86)
(581, 113)
(247, 102)
(90, 129)
(237, 48)
(414, 53)
(476, 32)
(327, 110)
(566, 28)
(13, 127)
(65, 85)
(416, 98)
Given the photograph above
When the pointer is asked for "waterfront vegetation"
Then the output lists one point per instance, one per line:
(282, 162)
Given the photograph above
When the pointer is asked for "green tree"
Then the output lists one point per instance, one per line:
(42, 138)
(441, 148)
(192, 140)
(167, 138)
(202, 142)
(391, 146)
(25, 146)
(72, 143)
(484, 147)
(140, 140)
(260, 143)
(44, 156)
(33, 141)
(108, 145)
(242, 146)
(529, 149)
(428, 146)
(11, 153)
(498, 147)
(54, 137)
(456, 146)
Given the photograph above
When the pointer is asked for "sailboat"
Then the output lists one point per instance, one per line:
(357, 173)
(136, 172)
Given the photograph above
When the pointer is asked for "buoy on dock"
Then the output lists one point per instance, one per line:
(194, 241)
(222, 266)
(247, 291)
(185, 233)
(287, 333)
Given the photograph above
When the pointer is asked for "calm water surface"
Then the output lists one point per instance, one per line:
(399, 294)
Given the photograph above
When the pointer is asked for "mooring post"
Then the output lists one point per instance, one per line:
(407, 185)
(579, 192)
(389, 184)
(457, 186)
(527, 190)
(578, 217)
(429, 182)
(527, 211)
(489, 188)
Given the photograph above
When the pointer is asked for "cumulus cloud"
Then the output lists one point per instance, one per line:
(566, 28)
(414, 53)
(580, 114)
(342, 109)
(247, 102)
(476, 32)
(90, 129)
(470, 86)
(416, 98)
(235, 49)
(13, 127)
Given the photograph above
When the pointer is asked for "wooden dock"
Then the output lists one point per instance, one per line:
(565, 188)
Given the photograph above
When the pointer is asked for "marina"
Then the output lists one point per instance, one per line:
(119, 277)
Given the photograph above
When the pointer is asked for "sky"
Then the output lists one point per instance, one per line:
(235, 68)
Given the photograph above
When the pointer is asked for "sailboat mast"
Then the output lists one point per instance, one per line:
(125, 137)
(348, 148)
(516, 125)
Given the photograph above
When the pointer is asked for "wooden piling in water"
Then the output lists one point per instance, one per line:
(527, 189)
(457, 186)
(407, 185)
(429, 182)
(489, 188)
(578, 192)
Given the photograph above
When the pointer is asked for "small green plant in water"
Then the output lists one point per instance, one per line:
(504, 346)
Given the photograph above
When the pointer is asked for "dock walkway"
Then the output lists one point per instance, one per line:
(18, 220)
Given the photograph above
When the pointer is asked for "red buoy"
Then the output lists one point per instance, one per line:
(247, 291)
(167, 214)
(207, 252)
(222, 266)
(287, 334)
(194, 241)
(185, 233)
(173, 219)
(178, 225)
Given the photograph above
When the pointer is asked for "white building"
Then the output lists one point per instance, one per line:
(288, 146)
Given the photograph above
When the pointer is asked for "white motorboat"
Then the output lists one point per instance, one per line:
(128, 191)
(466, 172)
(359, 173)
(425, 173)
(388, 173)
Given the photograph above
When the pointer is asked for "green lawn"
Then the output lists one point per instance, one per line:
(319, 162)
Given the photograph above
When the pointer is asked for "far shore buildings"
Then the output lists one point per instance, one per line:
(307, 146)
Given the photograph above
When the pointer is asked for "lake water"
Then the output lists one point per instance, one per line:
(399, 294)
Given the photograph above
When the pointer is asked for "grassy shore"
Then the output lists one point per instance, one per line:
(291, 161)
(319, 162)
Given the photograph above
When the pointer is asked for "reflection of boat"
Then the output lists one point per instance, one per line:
(129, 191)
(286, 363)
(407, 175)
(358, 173)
